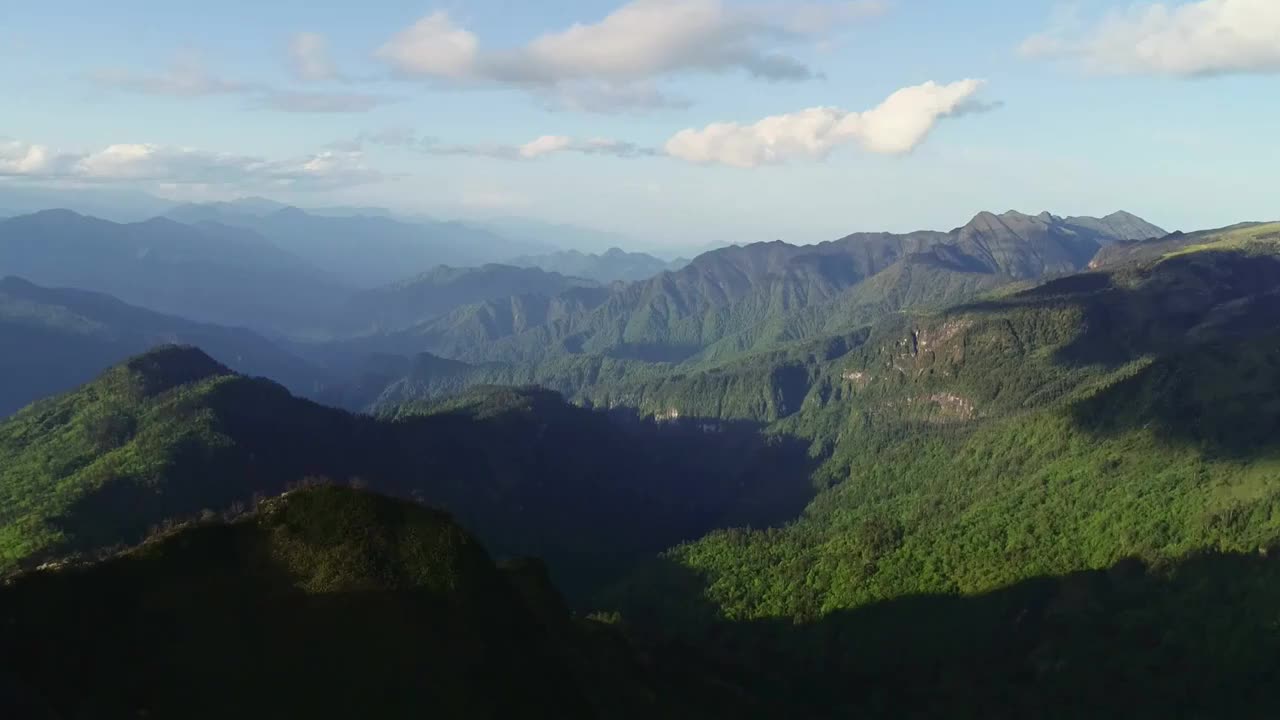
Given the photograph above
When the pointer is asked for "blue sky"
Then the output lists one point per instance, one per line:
(1164, 109)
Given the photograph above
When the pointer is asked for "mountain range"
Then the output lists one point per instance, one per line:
(1053, 495)
(613, 265)
(740, 300)
(208, 272)
(366, 251)
(63, 338)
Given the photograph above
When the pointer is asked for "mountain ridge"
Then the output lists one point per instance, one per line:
(750, 298)
(66, 337)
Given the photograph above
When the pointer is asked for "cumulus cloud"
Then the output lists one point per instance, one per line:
(897, 125)
(545, 145)
(309, 58)
(433, 46)
(640, 41)
(1192, 38)
(146, 162)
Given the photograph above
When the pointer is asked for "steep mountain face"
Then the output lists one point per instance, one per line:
(170, 433)
(613, 265)
(443, 289)
(207, 273)
(59, 339)
(1219, 290)
(366, 251)
(1023, 246)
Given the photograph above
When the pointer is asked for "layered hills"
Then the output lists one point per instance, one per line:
(740, 300)
(208, 273)
(172, 433)
(963, 475)
(56, 339)
(613, 265)
(365, 250)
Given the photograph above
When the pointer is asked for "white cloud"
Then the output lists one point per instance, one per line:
(1186, 39)
(898, 125)
(433, 46)
(18, 158)
(146, 162)
(545, 145)
(640, 41)
(309, 58)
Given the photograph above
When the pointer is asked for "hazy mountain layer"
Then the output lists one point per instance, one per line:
(739, 300)
(208, 273)
(58, 339)
(365, 251)
(613, 265)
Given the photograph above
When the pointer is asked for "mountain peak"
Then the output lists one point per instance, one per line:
(290, 212)
(13, 283)
(1120, 225)
(170, 366)
(57, 215)
(1123, 215)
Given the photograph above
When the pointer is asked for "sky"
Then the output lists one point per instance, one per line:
(680, 122)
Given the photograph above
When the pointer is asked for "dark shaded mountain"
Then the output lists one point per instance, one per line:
(322, 603)
(613, 265)
(56, 340)
(365, 251)
(444, 289)
(172, 432)
(208, 272)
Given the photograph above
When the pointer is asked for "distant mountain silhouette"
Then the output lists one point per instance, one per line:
(210, 272)
(57, 339)
(613, 265)
(363, 250)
